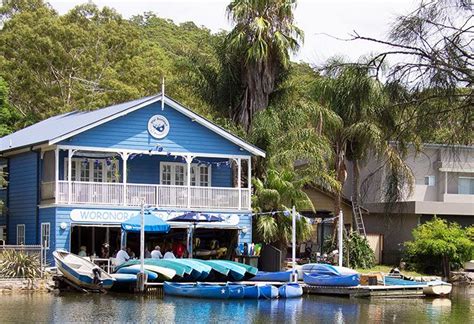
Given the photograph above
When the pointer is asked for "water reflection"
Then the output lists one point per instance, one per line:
(133, 308)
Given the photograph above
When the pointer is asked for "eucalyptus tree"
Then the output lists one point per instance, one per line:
(264, 35)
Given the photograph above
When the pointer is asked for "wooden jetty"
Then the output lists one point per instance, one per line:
(367, 291)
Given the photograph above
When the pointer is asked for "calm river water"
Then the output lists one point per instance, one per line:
(73, 307)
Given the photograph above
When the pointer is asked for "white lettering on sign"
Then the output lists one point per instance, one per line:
(101, 215)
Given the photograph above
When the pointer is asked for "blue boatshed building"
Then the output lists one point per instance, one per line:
(74, 178)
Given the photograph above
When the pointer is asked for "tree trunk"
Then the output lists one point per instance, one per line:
(446, 268)
(341, 176)
(259, 82)
(356, 182)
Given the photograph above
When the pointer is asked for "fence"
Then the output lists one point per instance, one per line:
(36, 250)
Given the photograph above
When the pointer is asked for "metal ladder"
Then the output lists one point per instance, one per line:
(359, 220)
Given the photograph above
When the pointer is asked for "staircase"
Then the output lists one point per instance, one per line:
(358, 219)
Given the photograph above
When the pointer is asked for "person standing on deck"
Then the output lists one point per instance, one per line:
(122, 256)
(169, 255)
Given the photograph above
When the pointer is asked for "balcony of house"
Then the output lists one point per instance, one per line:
(163, 180)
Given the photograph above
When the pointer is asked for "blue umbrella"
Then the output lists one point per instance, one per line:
(196, 217)
(153, 224)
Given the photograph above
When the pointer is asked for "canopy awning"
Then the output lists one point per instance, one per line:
(153, 224)
(196, 217)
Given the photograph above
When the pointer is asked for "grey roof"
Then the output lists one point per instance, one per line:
(60, 125)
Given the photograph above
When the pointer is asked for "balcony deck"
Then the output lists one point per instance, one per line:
(131, 194)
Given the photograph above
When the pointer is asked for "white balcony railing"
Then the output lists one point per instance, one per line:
(100, 193)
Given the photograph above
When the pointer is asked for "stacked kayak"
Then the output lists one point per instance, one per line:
(190, 270)
(216, 291)
(284, 276)
(327, 275)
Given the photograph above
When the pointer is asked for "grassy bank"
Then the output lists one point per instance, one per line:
(386, 269)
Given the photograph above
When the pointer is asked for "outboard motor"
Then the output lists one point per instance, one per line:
(96, 273)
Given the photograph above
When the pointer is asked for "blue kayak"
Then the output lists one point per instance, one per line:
(390, 281)
(196, 290)
(290, 290)
(267, 292)
(124, 277)
(272, 276)
(316, 279)
(131, 270)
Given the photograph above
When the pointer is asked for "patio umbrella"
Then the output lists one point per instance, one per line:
(196, 218)
(153, 224)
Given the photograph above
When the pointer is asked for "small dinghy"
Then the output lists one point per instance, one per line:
(283, 276)
(267, 292)
(81, 272)
(437, 288)
(290, 290)
(316, 279)
(196, 290)
(322, 268)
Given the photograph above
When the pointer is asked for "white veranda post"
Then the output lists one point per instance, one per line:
(249, 182)
(339, 232)
(239, 180)
(56, 174)
(124, 156)
(70, 154)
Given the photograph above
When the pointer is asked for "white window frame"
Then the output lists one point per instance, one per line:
(194, 166)
(80, 166)
(430, 181)
(43, 236)
(3, 232)
(18, 226)
(459, 187)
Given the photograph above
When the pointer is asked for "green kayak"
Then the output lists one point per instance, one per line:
(217, 267)
(250, 270)
(236, 271)
(181, 269)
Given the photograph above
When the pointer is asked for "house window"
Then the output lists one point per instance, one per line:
(20, 234)
(175, 174)
(92, 170)
(45, 234)
(430, 181)
(466, 186)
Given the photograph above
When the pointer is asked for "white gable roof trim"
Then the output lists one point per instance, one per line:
(175, 105)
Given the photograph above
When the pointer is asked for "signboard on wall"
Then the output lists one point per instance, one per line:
(117, 216)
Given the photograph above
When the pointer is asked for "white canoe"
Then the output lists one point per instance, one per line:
(81, 271)
(469, 266)
(437, 288)
(166, 273)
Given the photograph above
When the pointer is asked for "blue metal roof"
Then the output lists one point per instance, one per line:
(60, 125)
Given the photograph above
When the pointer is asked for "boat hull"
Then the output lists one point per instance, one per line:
(267, 292)
(314, 279)
(440, 289)
(133, 270)
(251, 292)
(291, 290)
(283, 276)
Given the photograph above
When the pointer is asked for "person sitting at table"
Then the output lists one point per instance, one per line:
(104, 251)
(122, 256)
(82, 251)
(156, 253)
(130, 253)
(169, 255)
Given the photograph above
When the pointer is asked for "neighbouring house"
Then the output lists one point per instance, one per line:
(444, 186)
(74, 178)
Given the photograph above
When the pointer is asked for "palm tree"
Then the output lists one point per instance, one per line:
(279, 191)
(358, 100)
(264, 35)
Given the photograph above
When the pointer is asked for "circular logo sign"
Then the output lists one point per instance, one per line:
(158, 126)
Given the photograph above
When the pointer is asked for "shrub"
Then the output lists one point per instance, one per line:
(15, 264)
(358, 252)
(439, 246)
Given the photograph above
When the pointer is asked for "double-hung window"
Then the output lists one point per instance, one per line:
(20, 234)
(92, 170)
(45, 234)
(175, 174)
(3, 234)
(466, 185)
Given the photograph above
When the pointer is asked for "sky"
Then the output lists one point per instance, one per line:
(338, 18)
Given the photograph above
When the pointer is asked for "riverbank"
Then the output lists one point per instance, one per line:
(14, 285)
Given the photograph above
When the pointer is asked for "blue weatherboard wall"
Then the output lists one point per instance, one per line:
(130, 132)
(23, 195)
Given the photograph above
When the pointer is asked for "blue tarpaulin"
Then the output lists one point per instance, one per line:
(153, 224)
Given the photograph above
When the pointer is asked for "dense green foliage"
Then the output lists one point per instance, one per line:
(439, 246)
(357, 252)
(17, 264)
